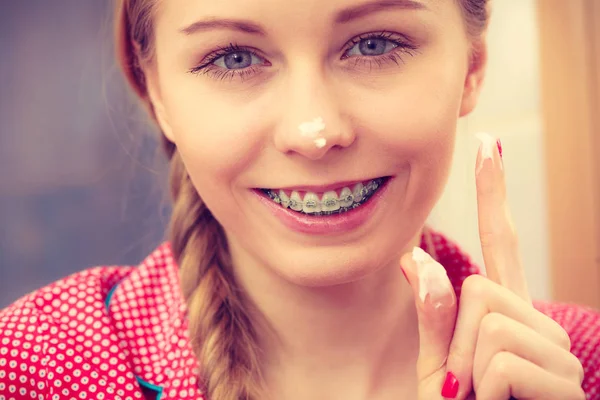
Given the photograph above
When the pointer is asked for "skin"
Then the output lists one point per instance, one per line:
(395, 119)
(495, 342)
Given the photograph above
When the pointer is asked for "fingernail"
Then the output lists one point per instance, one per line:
(450, 388)
(499, 144)
(435, 288)
(404, 273)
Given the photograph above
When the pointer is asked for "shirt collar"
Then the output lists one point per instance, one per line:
(148, 311)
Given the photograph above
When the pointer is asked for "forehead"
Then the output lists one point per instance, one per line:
(186, 14)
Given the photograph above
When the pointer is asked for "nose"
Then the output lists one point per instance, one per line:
(312, 122)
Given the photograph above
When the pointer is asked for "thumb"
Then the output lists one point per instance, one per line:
(436, 312)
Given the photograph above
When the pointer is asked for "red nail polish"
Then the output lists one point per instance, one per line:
(450, 388)
(499, 143)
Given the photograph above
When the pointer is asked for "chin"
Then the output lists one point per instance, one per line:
(330, 266)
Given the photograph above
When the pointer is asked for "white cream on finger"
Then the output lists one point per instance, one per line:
(488, 147)
(433, 280)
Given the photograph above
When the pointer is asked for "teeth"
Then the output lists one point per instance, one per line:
(311, 203)
(330, 202)
(372, 186)
(359, 192)
(295, 201)
(346, 197)
(285, 200)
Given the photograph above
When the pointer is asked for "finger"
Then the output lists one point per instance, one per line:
(436, 311)
(479, 297)
(498, 333)
(510, 375)
(496, 230)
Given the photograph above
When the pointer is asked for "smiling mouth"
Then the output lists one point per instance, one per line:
(332, 202)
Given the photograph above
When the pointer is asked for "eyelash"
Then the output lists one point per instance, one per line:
(395, 55)
(207, 67)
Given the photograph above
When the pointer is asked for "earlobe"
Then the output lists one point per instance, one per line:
(474, 78)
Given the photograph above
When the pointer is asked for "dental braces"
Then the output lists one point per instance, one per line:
(365, 193)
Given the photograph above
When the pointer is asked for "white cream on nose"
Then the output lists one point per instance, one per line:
(320, 143)
(311, 129)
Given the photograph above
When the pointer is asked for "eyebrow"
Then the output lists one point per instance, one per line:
(343, 17)
(362, 10)
(227, 24)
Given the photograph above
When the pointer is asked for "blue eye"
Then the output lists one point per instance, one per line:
(237, 60)
(372, 47)
(370, 50)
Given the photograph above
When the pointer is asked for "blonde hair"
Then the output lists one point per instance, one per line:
(222, 334)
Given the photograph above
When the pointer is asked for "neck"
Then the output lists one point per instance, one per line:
(354, 341)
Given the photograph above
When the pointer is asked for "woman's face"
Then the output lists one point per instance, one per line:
(234, 83)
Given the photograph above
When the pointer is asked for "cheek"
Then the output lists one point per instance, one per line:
(218, 144)
(413, 118)
(217, 140)
(413, 123)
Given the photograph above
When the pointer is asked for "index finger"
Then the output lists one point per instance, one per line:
(499, 242)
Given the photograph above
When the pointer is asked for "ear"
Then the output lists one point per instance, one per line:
(155, 96)
(475, 75)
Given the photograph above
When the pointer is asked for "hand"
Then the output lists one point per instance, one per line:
(495, 345)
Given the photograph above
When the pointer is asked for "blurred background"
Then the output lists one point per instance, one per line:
(83, 183)
(510, 108)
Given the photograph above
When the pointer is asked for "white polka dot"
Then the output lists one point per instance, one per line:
(71, 335)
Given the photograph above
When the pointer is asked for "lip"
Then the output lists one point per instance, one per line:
(327, 224)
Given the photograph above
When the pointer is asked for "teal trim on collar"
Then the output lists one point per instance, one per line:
(109, 295)
(149, 386)
(157, 389)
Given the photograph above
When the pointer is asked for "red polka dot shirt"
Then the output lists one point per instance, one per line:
(120, 333)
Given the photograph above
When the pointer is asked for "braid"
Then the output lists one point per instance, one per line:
(223, 337)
